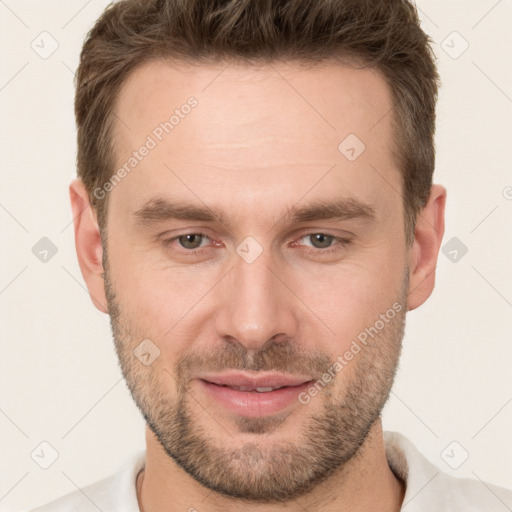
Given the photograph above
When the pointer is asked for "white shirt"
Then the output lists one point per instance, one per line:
(428, 489)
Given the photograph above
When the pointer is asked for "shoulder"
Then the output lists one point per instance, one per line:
(112, 494)
(87, 499)
(430, 488)
(472, 494)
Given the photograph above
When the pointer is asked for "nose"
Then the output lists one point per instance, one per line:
(256, 304)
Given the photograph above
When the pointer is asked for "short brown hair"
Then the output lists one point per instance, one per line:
(383, 34)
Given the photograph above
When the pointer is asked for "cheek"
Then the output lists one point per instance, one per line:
(160, 302)
(161, 299)
(350, 299)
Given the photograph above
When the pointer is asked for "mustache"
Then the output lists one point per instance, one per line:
(283, 357)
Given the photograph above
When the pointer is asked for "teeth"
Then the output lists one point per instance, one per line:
(259, 390)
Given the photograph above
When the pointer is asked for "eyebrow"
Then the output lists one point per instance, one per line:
(160, 210)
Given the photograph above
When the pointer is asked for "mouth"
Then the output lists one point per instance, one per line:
(254, 396)
(249, 388)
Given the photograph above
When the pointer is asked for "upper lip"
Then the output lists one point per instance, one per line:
(269, 380)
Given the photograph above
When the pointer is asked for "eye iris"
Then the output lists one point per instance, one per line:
(191, 241)
(325, 240)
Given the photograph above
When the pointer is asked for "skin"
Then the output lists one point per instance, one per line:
(261, 139)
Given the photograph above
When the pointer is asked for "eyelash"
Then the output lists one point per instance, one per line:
(341, 243)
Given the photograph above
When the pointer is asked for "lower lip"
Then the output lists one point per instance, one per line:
(252, 403)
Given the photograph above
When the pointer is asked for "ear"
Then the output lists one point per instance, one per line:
(88, 244)
(423, 254)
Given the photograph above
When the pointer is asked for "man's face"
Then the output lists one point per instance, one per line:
(261, 291)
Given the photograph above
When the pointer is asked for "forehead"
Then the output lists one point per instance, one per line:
(256, 128)
(328, 97)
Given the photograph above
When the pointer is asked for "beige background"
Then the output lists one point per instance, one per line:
(59, 380)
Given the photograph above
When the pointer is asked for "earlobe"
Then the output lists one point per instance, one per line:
(425, 250)
(88, 243)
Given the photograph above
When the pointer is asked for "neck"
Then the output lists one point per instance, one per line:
(366, 483)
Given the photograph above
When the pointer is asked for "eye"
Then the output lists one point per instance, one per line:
(191, 240)
(323, 242)
(197, 243)
(320, 240)
(187, 243)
